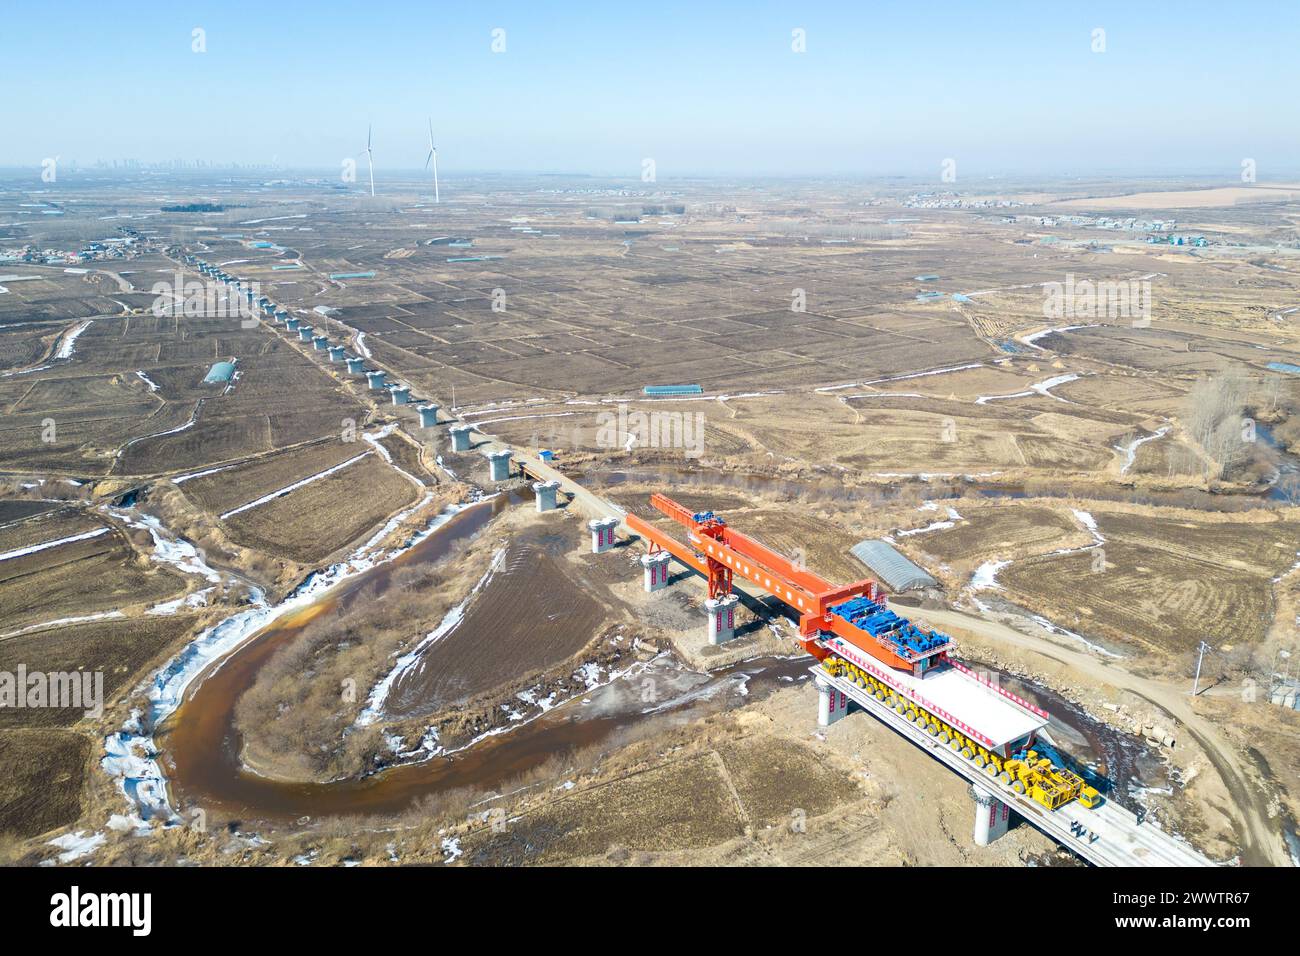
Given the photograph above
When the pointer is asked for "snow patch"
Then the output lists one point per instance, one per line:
(32, 549)
(296, 485)
(68, 345)
(76, 845)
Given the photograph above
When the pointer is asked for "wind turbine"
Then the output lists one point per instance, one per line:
(370, 158)
(433, 158)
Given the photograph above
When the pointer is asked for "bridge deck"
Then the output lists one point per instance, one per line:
(1120, 839)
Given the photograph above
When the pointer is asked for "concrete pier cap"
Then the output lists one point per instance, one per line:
(401, 394)
(498, 465)
(320, 343)
(376, 379)
(336, 353)
(304, 332)
(602, 534)
(428, 415)
(545, 492)
(292, 324)
(656, 570)
(357, 366)
(722, 618)
(460, 437)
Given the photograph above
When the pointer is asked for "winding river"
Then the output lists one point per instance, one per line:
(199, 743)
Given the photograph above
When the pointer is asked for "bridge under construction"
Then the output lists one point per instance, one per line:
(908, 676)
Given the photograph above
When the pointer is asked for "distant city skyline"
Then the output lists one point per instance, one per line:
(863, 90)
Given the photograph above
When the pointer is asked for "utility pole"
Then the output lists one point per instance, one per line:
(1199, 658)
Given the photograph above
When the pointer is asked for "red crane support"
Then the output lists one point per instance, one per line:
(718, 551)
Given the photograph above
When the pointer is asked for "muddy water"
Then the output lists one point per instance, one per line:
(201, 744)
(1288, 464)
(200, 741)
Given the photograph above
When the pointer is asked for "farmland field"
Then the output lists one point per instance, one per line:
(866, 360)
(536, 618)
(1166, 584)
(312, 522)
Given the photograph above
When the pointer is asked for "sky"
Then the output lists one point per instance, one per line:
(881, 88)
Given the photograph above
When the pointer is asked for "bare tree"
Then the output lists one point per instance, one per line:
(1215, 419)
(1288, 487)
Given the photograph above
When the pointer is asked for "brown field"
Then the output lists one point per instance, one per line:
(24, 347)
(824, 547)
(670, 807)
(118, 648)
(406, 456)
(1007, 531)
(49, 525)
(774, 778)
(1167, 584)
(40, 789)
(220, 492)
(530, 616)
(97, 575)
(1165, 457)
(14, 510)
(311, 523)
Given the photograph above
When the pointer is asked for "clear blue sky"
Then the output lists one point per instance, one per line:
(884, 87)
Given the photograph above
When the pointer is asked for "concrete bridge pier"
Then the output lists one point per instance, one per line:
(376, 380)
(722, 618)
(656, 570)
(336, 353)
(460, 437)
(428, 415)
(602, 534)
(304, 333)
(832, 703)
(357, 366)
(498, 465)
(545, 495)
(991, 816)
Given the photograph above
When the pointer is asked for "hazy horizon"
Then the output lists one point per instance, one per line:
(1012, 91)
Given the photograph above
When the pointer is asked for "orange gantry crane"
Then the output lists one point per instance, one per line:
(988, 725)
(855, 612)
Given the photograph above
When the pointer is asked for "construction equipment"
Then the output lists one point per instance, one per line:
(719, 551)
(904, 666)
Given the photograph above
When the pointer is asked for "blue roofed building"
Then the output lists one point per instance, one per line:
(220, 374)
